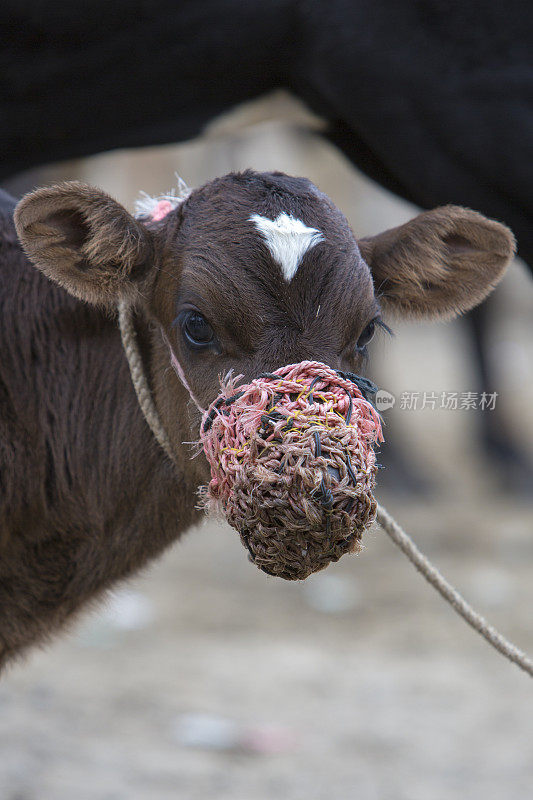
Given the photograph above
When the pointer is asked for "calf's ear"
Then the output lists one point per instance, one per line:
(442, 263)
(85, 241)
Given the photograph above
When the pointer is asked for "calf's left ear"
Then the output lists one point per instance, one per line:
(442, 263)
(85, 241)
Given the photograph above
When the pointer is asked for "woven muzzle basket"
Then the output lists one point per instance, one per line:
(293, 465)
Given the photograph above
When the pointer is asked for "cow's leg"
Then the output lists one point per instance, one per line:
(497, 435)
(400, 474)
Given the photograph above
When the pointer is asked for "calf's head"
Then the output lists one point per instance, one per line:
(255, 271)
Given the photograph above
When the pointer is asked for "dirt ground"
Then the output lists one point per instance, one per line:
(204, 678)
(360, 682)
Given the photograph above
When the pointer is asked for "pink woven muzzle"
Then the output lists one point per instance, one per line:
(293, 466)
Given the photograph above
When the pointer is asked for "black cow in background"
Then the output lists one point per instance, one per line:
(433, 99)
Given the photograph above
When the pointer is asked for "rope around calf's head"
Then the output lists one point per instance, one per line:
(139, 379)
(297, 453)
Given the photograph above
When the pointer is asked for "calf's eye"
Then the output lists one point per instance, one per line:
(366, 335)
(196, 329)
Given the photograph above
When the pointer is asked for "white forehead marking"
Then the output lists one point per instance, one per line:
(288, 240)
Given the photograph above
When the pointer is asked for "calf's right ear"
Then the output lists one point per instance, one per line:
(85, 241)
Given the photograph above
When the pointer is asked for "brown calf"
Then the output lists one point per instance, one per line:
(250, 272)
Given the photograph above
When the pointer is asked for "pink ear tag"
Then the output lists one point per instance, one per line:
(160, 211)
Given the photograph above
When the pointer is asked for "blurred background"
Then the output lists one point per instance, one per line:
(204, 678)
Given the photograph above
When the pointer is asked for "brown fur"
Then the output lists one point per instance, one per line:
(86, 495)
